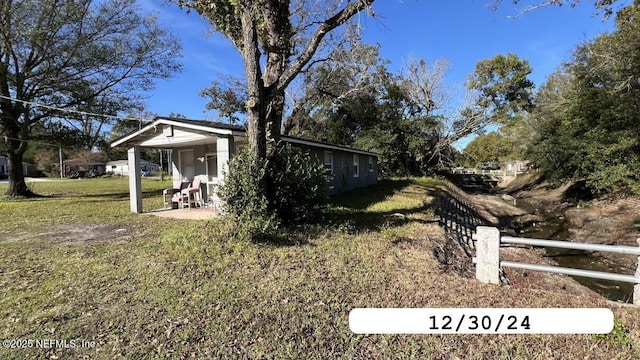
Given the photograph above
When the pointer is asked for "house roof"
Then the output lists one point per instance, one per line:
(324, 145)
(218, 128)
(197, 126)
(206, 123)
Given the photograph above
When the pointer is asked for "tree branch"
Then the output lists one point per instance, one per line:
(338, 19)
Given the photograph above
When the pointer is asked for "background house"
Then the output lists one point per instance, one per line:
(80, 168)
(27, 169)
(202, 150)
(516, 167)
(121, 167)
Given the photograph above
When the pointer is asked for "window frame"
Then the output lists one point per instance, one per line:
(208, 156)
(183, 164)
(328, 161)
(356, 165)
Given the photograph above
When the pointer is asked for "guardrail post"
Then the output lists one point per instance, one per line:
(487, 254)
(636, 287)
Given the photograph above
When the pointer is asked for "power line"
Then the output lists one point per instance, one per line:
(71, 110)
(38, 142)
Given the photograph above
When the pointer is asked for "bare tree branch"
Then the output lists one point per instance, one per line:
(351, 9)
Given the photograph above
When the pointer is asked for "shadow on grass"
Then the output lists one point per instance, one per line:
(289, 237)
(125, 195)
(351, 212)
(362, 198)
(356, 211)
(99, 197)
(457, 217)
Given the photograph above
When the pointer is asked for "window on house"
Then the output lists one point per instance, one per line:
(328, 161)
(212, 166)
(370, 163)
(187, 165)
(356, 168)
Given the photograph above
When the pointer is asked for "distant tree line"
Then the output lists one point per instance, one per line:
(63, 62)
(583, 124)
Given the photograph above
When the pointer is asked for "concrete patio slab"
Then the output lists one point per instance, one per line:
(188, 214)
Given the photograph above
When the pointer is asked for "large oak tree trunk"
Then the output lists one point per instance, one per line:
(255, 85)
(15, 152)
(17, 185)
(266, 95)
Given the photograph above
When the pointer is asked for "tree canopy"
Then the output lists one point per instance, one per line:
(357, 101)
(584, 126)
(503, 86)
(74, 55)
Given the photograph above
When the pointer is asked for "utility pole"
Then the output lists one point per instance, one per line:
(61, 164)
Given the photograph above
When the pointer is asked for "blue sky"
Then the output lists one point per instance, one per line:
(462, 31)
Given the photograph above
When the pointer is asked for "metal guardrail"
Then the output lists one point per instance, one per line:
(488, 262)
(573, 272)
(620, 249)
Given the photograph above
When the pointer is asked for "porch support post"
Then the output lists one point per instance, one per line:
(223, 150)
(135, 182)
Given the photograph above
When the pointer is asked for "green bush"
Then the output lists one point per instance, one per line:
(298, 187)
(244, 199)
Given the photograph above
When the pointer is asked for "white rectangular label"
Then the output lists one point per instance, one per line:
(481, 320)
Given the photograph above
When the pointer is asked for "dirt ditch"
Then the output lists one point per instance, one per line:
(530, 208)
(606, 220)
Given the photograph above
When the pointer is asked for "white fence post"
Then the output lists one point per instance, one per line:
(636, 287)
(488, 254)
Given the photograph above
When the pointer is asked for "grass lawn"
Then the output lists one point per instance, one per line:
(77, 265)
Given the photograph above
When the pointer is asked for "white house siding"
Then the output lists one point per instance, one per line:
(121, 167)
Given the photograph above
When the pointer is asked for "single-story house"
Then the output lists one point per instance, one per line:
(27, 169)
(83, 168)
(121, 167)
(516, 167)
(202, 149)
